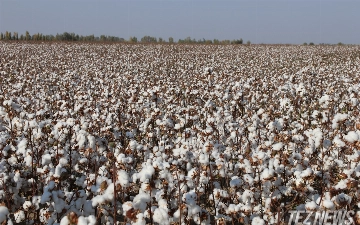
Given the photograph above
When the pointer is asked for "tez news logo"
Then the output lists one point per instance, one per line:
(339, 217)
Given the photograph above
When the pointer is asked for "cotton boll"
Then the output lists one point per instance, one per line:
(46, 159)
(311, 206)
(267, 174)
(21, 147)
(327, 204)
(140, 201)
(140, 219)
(277, 146)
(19, 216)
(123, 178)
(161, 216)
(82, 221)
(247, 178)
(27, 205)
(28, 160)
(204, 159)
(63, 162)
(338, 118)
(3, 213)
(306, 173)
(132, 145)
(257, 221)
(64, 221)
(92, 142)
(351, 137)
(146, 173)
(91, 220)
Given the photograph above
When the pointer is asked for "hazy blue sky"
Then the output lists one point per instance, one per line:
(260, 21)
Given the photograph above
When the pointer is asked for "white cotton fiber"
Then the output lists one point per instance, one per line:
(46, 159)
(338, 142)
(161, 216)
(351, 137)
(123, 178)
(277, 146)
(27, 205)
(311, 206)
(64, 221)
(146, 173)
(328, 204)
(257, 221)
(140, 201)
(22, 147)
(337, 118)
(19, 216)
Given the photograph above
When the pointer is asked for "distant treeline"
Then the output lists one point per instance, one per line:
(104, 38)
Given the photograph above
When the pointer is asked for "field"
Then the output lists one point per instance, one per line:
(177, 134)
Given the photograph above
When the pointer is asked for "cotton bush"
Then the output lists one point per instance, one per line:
(176, 134)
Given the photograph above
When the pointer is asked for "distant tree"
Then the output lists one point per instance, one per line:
(148, 39)
(1, 36)
(7, 35)
(103, 38)
(225, 42)
(305, 43)
(340, 43)
(237, 42)
(311, 43)
(248, 43)
(133, 40)
(216, 41)
(27, 36)
(16, 36)
(171, 40)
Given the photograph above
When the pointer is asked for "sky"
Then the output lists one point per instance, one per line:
(259, 21)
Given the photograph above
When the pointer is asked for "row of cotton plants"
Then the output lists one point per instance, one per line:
(176, 134)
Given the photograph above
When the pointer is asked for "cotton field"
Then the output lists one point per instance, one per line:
(177, 134)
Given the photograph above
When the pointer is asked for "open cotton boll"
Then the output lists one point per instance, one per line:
(27, 205)
(19, 216)
(64, 221)
(140, 201)
(92, 141)
(351, 137)
(145, 174)
(82, 221)
(46, 159)
(91, 220)
(257, 221)
(3, 213)
(140, 219)
(107, 196)
(161, 216)
(21, 147)
(277, 146)
(306, 173)
(311, 206)
(328, 204)
(267, 174)
(132, 145)
(338, 142)
(123, 178)
(337, 118)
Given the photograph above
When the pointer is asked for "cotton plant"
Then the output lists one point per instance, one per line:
(153, 138)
